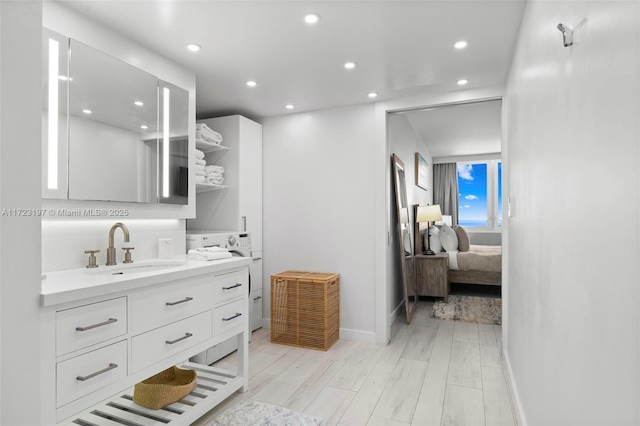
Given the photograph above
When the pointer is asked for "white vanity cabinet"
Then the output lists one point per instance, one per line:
(97, 348)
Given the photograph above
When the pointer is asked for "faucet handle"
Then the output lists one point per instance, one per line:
(92, 258)
(127, 255)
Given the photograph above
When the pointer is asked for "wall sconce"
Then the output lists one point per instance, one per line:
(429, 214)
(567, 35)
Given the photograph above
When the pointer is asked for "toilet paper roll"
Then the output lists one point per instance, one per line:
(165, 248)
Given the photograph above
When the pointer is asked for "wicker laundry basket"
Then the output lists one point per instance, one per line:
(305, 309)
(164, 388)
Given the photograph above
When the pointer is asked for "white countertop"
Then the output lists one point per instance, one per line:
(81, 283)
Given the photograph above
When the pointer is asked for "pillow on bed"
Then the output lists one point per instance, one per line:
(434, 241)
(448, 238)
(463, 238)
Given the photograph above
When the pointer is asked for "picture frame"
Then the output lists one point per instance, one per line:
(422, 172)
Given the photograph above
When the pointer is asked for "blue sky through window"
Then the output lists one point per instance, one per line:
(472, 190)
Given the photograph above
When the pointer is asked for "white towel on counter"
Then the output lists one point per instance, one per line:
(200, 162)
(199, 154)
(208, 255)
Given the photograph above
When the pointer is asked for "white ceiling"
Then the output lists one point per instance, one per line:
(400, 47)
(460, 130)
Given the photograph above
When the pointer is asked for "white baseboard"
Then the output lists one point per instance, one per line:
(515, 395)
(345, 333)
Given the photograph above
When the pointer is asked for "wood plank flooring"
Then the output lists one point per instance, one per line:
(433, 372)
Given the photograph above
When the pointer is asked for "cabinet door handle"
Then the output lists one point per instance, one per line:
(257, 298)
(233, 286)
(171, 342)
(232, 317)
(100, 324)
(97, 373)
(186, 299)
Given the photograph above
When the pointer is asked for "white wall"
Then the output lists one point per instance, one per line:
(571, 154)
(404, 142)
(20, 117)
(318, 205)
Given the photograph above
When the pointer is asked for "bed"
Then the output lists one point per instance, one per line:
(480, 265)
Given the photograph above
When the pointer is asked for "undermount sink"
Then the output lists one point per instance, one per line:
(135, 268)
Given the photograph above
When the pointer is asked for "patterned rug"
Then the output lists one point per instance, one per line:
(254, 413)
(482, 310)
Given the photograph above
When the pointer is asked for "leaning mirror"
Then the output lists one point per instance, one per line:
(404, 238)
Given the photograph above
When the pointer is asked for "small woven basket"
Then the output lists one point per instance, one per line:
(164, 388)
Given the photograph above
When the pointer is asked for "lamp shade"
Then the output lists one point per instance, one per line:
(429, 213)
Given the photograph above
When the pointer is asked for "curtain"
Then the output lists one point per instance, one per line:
(445, 189)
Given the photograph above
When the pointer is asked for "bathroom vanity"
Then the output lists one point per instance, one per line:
(107, 328)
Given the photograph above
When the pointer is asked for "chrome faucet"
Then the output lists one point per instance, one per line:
(111, 251)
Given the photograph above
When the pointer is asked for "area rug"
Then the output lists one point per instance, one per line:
(482, 310)
(254, 413)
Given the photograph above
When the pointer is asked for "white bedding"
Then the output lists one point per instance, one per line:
(478, 258)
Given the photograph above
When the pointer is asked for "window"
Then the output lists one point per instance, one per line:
(480, 194)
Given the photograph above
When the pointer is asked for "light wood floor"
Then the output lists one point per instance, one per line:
(433, 372)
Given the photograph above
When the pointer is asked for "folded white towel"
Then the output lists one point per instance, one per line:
(201, 173)
(199, 167)
(208, 133)
(214, 168)
(207, 255)
(199, 154)
(201, 162)
(216, 181)
(213, 249)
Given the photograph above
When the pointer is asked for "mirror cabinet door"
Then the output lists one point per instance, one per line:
(112, 128)
(173, 144)
(55, 80)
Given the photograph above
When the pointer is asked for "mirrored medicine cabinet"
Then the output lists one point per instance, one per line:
(111, 131)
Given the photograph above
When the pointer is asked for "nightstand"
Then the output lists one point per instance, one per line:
(432, 276)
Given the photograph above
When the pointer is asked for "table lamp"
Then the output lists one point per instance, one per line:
(429, 214)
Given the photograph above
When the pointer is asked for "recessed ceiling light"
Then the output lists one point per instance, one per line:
(144, 127)
(251, 83)
(289, 106)
(372, 94)
(87, 111)
(350, 65)
(138, 103)
(462, 82)
(194, 47)
(311, 18)
(460, 45)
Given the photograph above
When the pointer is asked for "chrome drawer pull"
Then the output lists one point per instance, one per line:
(230, 318)
(171, 342)
(257, 298)
(186, 299)
(233, 286)
(97, 373)
(90, 327)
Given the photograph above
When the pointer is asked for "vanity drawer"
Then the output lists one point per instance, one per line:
(153, 307)
(82, 375)
(153, 346)
(230, 286)
(228, 317)
(80, 327)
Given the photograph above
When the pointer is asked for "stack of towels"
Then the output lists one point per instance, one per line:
(215, 174)
(201, 173)
(209, 253)
(206, 136)
(207, 175)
